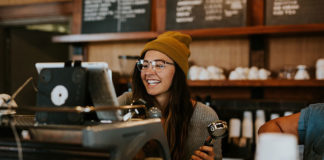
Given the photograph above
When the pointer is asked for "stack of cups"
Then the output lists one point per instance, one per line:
(247, 125)
(259, 121)
(234, 130)
(320, 69)
(277, 146)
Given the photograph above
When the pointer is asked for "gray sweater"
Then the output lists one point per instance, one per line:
(202, 116)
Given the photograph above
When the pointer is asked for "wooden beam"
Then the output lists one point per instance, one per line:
(36, 10)
(77, 17)
(197, 33)
(255, 12)
(105, 37)
(158, 15)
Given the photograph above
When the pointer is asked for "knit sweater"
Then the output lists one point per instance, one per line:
(202, 116)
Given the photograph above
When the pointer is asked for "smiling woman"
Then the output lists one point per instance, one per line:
(159, 78)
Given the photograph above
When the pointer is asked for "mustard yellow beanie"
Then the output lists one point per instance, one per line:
(175, 45)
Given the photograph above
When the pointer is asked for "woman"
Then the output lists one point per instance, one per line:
(160, 79)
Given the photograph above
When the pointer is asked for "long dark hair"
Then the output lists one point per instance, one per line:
(177, 113)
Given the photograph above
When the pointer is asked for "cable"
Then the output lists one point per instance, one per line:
(19, 89)
(34, 84)
(17, 139)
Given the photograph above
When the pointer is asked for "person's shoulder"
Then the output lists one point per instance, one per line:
(312, 111)
(128, 94)
(125, 98)
(316, 106)
(203, 110)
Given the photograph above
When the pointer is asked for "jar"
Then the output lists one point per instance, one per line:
(320, 68)
(301, 73)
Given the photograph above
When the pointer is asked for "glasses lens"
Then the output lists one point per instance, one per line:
(139, 64)
(158, 65)
(142, 64)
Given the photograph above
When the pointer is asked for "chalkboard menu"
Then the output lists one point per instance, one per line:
(294, 12)
(99, 16)
(195, 14)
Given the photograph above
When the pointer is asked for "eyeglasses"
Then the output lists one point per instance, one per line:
(157, 65)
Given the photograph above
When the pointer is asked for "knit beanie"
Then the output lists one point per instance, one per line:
(173, 44)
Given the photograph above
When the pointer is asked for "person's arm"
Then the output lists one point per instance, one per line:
(287, 124)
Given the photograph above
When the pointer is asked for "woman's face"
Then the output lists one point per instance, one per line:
(157, 82)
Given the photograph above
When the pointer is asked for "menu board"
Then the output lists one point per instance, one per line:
(195, 14)
(99, 16)
(294, 12)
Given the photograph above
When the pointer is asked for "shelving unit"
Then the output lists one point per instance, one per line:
(272, 89)
(198, 33)
(257, 83)
(249, 83)
(104, 37)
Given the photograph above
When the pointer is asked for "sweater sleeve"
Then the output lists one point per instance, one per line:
(125, 98)
(202, 116)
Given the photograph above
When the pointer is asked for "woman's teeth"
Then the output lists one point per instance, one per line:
(153, 82)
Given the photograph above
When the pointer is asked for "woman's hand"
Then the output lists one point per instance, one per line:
(6, 102)
(208, 153)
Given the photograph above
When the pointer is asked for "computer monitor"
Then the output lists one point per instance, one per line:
(99, 85)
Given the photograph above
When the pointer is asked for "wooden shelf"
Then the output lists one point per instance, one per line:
(254, 30)
(197, 33)
(104, 37)
(249, 83)
(256, 83)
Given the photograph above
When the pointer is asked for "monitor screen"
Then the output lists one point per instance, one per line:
(99, 85)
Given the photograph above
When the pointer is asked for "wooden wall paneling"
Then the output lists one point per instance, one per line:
(255, 12)
(109, 52)
(227, 53)
(290, 51)
(158, 15)
(36, 10)
(24, 2)
(76, 17)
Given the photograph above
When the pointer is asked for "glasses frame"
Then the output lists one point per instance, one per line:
(152, 64)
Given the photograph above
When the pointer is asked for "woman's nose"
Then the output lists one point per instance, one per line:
(150, 69)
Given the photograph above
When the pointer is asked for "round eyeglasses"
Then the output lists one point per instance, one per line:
(157, 65)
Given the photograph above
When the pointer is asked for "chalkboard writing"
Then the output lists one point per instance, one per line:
(294, 12)
(195, 14)
(100, 16)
